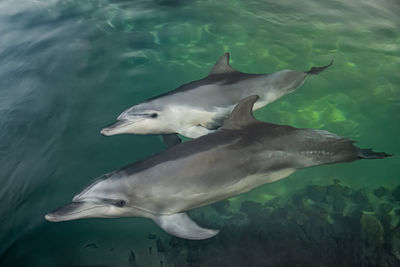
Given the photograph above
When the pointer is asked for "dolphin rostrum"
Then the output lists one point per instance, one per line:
(242, 155)
(199, 107)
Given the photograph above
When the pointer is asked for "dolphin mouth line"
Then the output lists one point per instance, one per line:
(131, 122)
(143, 209)
(121, 123)
(50, 215)
(76, 212)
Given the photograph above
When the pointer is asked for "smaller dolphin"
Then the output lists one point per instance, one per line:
(199, 107)
(240, 156)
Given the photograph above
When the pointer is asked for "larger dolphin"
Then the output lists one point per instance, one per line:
(199, 107)
(242, 155)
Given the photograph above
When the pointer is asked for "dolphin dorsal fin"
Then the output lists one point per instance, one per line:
(242, 114)
(222, 65)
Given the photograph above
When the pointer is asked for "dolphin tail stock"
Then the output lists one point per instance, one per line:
(317, 70)
(180, 225)
(367, 153)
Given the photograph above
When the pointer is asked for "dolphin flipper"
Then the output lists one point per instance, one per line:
(180, 225)
(195, 131)
(171, 140)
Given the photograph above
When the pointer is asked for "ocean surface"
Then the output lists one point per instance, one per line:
(69, 67)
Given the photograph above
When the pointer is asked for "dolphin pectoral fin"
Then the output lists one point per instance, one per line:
(171, 140)
(195, 131)
(180, 225)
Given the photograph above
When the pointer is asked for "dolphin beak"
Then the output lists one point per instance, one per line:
(121, 126)
(74, 210)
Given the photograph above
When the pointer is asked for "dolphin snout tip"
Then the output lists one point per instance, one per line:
(121, 126)
(50, 217)
(106, 132)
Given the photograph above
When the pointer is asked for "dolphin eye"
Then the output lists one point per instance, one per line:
(153, 115)
(120, 203)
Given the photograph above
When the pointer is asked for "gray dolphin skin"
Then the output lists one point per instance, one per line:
(199, 107)
(243, 154)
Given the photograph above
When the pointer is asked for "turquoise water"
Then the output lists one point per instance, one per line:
(68, 68)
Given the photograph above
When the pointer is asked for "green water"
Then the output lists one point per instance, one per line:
(69, 67)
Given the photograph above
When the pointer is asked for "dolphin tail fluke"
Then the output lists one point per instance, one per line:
(369, 154)
(316, 70)
(182, 226)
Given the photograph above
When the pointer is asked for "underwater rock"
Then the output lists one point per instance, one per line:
(151, 236)
(381, 191)
(276, 214)
(91, 245)
(316, 193)
(160, 246)
(251, 208)
(394, 222)
(344, 225)
(132, 259)
(315, 226)
(312, 209)
(192, 256)
(299, 218)
(371, 230)
(176, 242)
(338, 204)
(386, 221)
(397, 212)
(299, 202)
(337, 189)
(236, 219)
(396, 193)
(353, 210)
(221, 206)
(360, 197)
(395, 244)
(385, 208)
